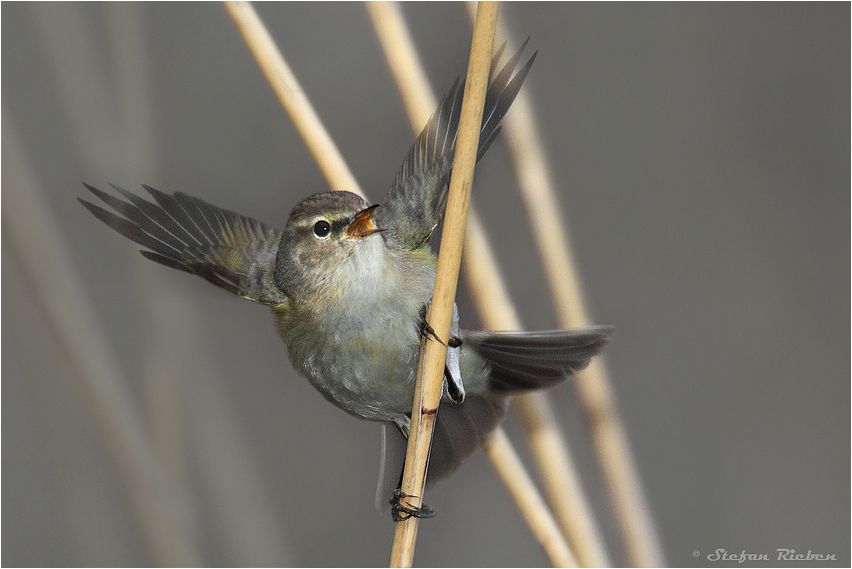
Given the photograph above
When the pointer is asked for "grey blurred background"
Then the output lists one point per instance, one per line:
(702, 158)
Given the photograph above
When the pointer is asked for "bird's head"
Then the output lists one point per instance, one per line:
(329, 243)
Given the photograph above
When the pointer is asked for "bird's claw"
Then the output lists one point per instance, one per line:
(402, 511)
(426, 330)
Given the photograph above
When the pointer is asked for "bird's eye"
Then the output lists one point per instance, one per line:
(322, 228)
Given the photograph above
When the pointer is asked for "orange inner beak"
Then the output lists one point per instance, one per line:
(362, 226)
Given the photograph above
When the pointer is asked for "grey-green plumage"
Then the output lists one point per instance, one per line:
(348, 284)
(230, 250)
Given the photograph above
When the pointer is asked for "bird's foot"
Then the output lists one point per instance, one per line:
(401, 511)
(426, 330)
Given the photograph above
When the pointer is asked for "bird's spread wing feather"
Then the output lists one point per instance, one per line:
(231, 251)
(415, 203)
(521, 361)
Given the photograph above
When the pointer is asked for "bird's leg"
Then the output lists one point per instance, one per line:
(402, 511)
(454, 387)
(426, 330)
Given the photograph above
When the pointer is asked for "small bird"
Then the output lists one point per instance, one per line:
(349, 284)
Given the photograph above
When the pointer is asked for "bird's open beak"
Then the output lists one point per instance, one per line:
(362, 225)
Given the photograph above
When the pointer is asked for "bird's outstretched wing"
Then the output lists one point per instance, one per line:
(415, 203)
(231, 251)
(523, 361)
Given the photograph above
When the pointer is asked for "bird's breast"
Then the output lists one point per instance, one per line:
(358, 342)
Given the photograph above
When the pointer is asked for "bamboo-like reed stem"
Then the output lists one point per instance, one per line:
(553, 457)
(594, 387)
(561, 479)
(593, 384)
(292, 97)
(401, 53)
(511, 469)
(493, 303)
(433, 357)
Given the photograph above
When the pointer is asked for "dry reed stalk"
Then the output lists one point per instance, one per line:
(292, 97)
(427, 393)
(593, 384)
(401, 53)
(55, 283)
(550, 449)
(497, 313)
(608, 432)
(509, 466)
